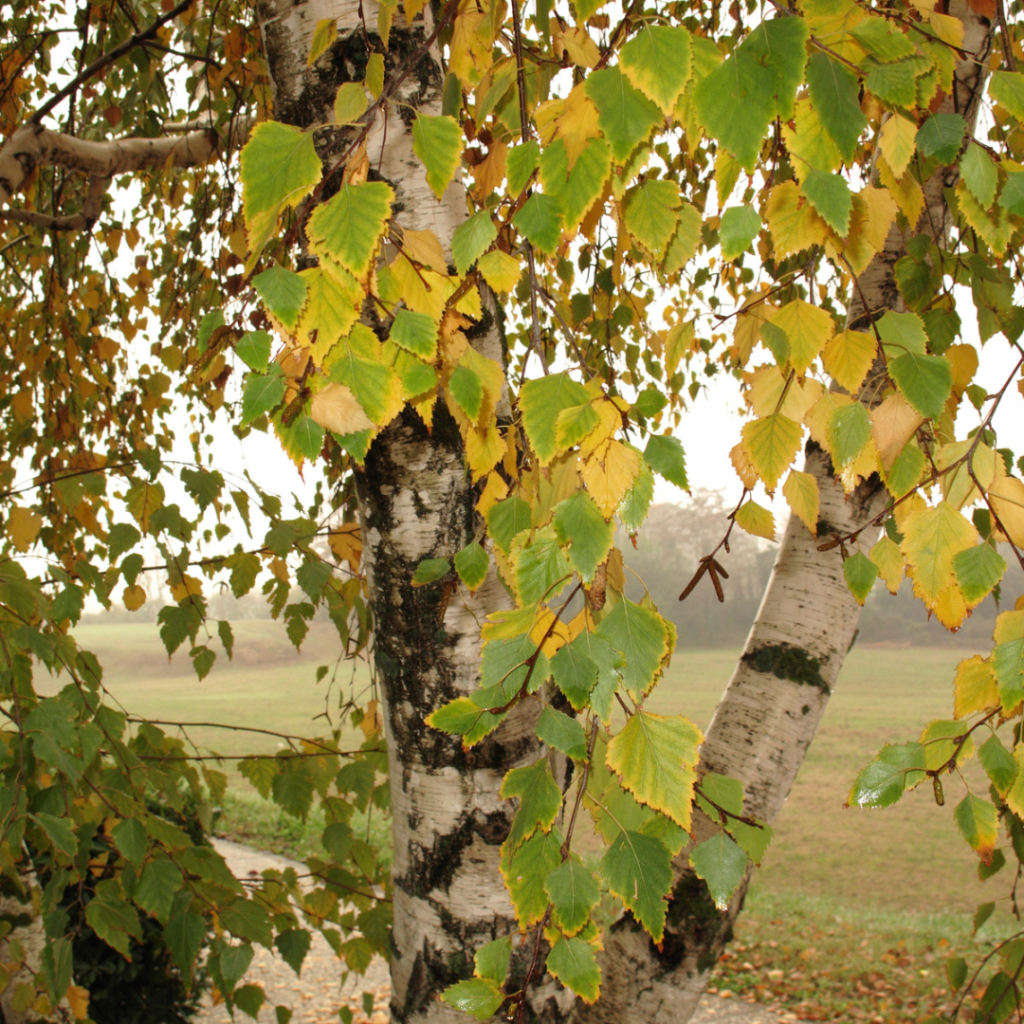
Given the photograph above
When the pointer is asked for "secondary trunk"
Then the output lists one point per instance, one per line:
(772, 707)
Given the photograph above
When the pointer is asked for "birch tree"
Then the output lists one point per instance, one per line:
(470, 262)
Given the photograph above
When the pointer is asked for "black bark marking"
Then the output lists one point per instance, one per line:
(785, 661)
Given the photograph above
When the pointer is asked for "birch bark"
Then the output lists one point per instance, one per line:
(416, 502)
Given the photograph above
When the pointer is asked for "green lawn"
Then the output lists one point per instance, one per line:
(851, 915)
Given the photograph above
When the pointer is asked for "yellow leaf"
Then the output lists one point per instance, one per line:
(931, 540)
(134, 598)
(888, 559)
(576, 125)
(494, 490)
(771, 444)
(609, 472)
(765, 387)
(974, 689)
(188, 587)
(898, 141)
(23, 527)
(861, 468)
(346, 543)
(995, 226)
(893, 424)
(808, 328)
(951, 607)
(957, 486)
(413, 9)
(484, 449)
(963, 361)
(78, 1000)
(747, 332)
(848, 357)
(582, 50)
(905, 191)
(817, 417)
(756, 520)
(1007, 497)
(741, 463)
(801, 492)
(810, 145)
(949, 29)
(424, 247)
(336, 408)
(469, 55)
(793, 222)
(873, 212)
(611, 423)
(500, 270)
(489, 173)
(333, 298)
(324, 34)
(422, 290)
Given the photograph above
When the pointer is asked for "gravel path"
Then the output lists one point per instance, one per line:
(316, 997)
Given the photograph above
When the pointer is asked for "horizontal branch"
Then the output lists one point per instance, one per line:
(32, 146)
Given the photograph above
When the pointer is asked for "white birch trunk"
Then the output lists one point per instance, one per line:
(416, 502)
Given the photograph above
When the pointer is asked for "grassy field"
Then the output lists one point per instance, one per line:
(853, 912)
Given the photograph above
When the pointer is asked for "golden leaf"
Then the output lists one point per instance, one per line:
(801, 492)
(424, 247)
(134, 598)
(346, 543)
(609, 472)
(494, 490)
(78, 1000)
(744, 469)
(905, 191)
(893, 424)
(336, 408)
(1007, 497)
(848, 357)
(23, 527)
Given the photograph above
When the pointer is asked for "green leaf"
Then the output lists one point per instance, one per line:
(525, 871)
(123, 537)
(980, 174)
(753, 840)
(457, 717)
(185, 935)
(416, 333)
(941, 137)
(472, 239)
(279, 167)
(249, 999)
(304, 437)
(883, 781)
(471, 563)
(283, 293)
(657, 62)
(722, 864)
(130, 839)
(574, 424)
(539, 801)
(956, 972)
(253, 348)
(574, 963)
(505, 520)
(741, 97)
(115, 922)
(926, 382)
(520, 163)
(655, 757)
(849, 430)
(540, 401)
(467, 390)
(491, 960)
(650, 213)
(638, 870)
(293, 945)
(249, 921)
(902, 332)
(643, 638)
(541, 568)
(58, 968)
(1012, 196)
(479, 997)
(830, 195)
(59, 832)
(665, 456)
(998, 763)
(834, 93)
(894, 83)
(430, 570)
(437, 141)
(156, 888)
(540, 220)
(574, 892)
(624, 115)
(860, 573)
(233, 962)
(906, 471)
(635, 505)
(1008, 666)
(558, 730)
(349, 103)
(978, 822)
(574, 673)
(580, 525)
(1007, 89)
(739, 227)
(883, 41)
(978, 569)
(347, 228)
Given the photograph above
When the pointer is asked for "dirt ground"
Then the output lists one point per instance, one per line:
(317, 996)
